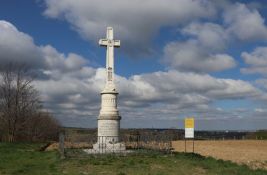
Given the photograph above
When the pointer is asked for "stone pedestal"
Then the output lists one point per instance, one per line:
(108, 133)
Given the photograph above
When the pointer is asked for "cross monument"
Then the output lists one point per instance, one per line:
(109, 118)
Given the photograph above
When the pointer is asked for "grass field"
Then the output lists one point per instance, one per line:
(250, 152)
(25, 159)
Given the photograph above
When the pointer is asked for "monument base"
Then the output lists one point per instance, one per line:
(107, 148)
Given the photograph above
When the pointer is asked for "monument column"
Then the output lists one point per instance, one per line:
(109, 118)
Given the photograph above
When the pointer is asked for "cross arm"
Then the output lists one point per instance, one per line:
(107, 42)
(103, 42)
(117, 43)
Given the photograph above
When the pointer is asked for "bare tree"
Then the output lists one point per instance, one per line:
(19, 103)
(42, 127)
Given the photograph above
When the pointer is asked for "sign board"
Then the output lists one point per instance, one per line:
(189, 123)
(189, 127)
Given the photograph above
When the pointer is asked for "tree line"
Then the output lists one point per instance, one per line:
(22, 117)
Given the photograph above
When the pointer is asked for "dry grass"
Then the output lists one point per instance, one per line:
(250, 152)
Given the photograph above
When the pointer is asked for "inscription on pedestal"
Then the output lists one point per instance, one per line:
(108, 128)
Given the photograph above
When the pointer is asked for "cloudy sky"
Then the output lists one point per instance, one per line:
(178, 58)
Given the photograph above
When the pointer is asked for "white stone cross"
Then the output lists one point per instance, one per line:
(110, 43)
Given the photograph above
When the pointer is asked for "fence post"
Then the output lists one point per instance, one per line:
(195, 137)
(185, 145)
(61, 143)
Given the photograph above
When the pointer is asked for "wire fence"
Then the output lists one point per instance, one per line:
(73, 144)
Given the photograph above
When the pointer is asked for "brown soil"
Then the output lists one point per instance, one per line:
(250, 152)
(54, 146)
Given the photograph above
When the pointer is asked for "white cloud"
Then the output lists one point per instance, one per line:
(231, 89)
(191, 56)
(262, 82)
(58, 61)
(71, 87)
(211, 36)
(19, 47)
(260, 110)
(203, 50)
(135, 21)
(257, 61)
(169, 93)
(16, 46)
(174, 83)
(257, 58)
(245, 23)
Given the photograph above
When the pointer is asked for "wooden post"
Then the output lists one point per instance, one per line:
(193, 146)
(61, 143)
(185, 144)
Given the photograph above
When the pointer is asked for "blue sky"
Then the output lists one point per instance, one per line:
(178, 58)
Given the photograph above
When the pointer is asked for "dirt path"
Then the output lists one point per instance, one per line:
(250, 152)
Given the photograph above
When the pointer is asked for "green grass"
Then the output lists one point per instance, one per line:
(25, 159)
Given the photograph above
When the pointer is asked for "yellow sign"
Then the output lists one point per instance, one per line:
(189, 123)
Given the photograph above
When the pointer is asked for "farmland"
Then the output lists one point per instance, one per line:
(250, 152)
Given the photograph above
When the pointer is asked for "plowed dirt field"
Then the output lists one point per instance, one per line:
(250, 152)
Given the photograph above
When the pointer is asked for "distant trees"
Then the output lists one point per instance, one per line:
(21, 117)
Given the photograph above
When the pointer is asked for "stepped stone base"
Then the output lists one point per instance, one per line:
(105, 148)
